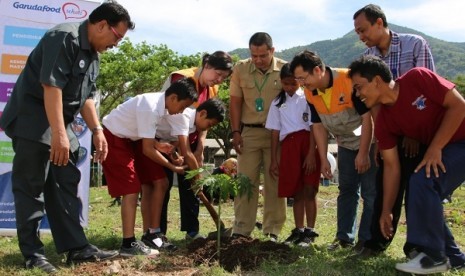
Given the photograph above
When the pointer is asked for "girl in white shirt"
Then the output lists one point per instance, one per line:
(298, 164)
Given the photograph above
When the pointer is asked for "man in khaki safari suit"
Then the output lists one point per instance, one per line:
(254, 84)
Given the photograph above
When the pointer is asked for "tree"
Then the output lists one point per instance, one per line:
(131, 69)
(222, 131)
(460, 84)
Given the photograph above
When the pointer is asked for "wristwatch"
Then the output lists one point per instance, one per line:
(97, 128)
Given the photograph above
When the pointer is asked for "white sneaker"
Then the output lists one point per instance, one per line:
(197, 236)
(423, 264)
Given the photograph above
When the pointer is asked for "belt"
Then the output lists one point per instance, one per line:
(254, 125)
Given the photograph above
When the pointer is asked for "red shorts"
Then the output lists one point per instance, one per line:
(292, 176)
(126, 167)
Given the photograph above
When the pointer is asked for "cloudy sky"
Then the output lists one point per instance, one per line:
(192, 26)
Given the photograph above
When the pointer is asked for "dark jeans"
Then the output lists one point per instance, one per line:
(425, 218)
(407, 164)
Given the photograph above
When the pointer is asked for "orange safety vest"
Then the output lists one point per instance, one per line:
(192, 73)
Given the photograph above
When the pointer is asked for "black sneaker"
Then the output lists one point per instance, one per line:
(338, 244)
(271, 237)
(238, 236)
(158, 241)
(295, 235)
(40, 263)
(138, 248)
(90, 253)
(365, 253)
(306, 238)
(358, 246)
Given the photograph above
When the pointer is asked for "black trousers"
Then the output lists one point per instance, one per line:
(408, 165)
(40, 186)
(188, 201)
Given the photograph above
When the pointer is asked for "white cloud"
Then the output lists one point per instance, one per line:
(442, 19)
(191, 26)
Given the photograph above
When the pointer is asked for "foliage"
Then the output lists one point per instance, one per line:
(449, 57)
(222, 131)
(221, 184)
(460, 84)
(131, 69)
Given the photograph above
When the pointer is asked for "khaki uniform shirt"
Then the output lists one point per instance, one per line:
(245, 82)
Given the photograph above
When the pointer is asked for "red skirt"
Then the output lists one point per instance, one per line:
(292, 176)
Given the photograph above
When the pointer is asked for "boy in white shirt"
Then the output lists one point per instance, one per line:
(135, 156)
(184, 129)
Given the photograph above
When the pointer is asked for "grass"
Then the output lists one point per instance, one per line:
(104, 230)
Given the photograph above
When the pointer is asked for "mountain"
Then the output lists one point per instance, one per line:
(449, 57)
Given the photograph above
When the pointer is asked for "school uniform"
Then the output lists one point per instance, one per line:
(185, 193)
(292, 120)
(174, 126)
(126, 166)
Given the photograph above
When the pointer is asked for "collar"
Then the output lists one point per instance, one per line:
(84, 36)
(394, 47)
(328, 69)
(273, 67)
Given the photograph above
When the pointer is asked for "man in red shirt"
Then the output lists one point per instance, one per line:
(426, 107)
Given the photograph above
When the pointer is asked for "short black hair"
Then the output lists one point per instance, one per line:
(113, 13)
(184, 88)
(372, 13)
(308, 60)
(369, 66)
(214, 107)
(261, 38)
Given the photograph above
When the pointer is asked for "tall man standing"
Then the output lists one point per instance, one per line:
(254, 84)
(56, 84)
(401, 52)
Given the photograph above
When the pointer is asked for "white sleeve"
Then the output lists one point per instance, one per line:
(273, 121)
(179, 124)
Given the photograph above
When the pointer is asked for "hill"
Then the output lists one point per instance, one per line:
(449, 57)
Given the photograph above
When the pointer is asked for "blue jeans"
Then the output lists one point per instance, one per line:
(425, 218)
(352, 185)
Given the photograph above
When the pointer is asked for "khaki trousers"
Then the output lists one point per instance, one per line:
(256, 153)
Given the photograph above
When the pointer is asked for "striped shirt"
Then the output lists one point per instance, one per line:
(405, 52)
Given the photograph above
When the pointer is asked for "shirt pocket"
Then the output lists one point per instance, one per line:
(249, 91)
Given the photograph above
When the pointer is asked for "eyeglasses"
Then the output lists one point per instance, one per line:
(302, 79)
(117, 35)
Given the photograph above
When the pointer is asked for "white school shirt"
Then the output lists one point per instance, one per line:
(138, 117)
(292, 116)
(170, 127)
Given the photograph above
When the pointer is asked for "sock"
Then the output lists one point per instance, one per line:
(154, 230)
(192, 234)
(301, 229)
(128, 241)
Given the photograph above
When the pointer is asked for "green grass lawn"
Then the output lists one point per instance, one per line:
(104, 230)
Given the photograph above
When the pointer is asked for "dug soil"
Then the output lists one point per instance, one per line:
(243, 252)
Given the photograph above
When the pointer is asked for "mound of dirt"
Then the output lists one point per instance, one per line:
(247, 253)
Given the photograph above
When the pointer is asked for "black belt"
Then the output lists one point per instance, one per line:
(254, 125)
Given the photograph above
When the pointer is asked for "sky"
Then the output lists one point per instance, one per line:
(193, 26)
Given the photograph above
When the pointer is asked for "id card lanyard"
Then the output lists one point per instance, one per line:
(259, 106)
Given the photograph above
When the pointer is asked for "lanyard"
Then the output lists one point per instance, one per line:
(260, 87)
